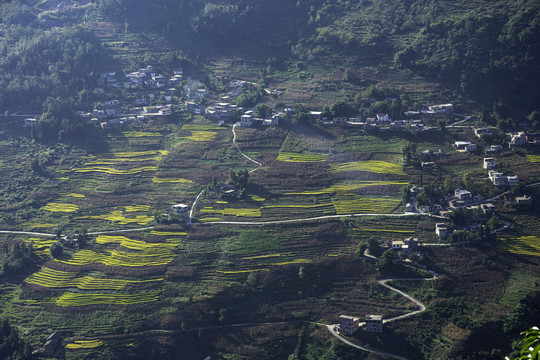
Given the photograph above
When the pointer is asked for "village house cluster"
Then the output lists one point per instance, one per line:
(380, 122)
(148, 84)
(223, 111)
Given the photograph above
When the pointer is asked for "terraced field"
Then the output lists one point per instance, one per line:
(77, 299)
(366, 205)
(51, 278)
(201, 135)
(232, 211)
(60, 207)
(119, 216)
(348, 188)
(523, 245)
(381, 167)
(154, 257)
(41, 246)
(307, 158)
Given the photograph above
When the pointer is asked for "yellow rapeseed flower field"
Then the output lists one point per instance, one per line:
(79, 299)
(158, 180)
(63, 279)
(113, 171)
(59, 207)
(75, 195)
(84, 344)
(523, 245)
(366, 206)
(129, 154)
(140, 134)
(154, 257)
(239, 271)
(380, 167)
(132, 244)
(201, 136)
(295, 157)
(232, 211)
(202, 127)
(347, 188)
(119, 217)
(168, 233)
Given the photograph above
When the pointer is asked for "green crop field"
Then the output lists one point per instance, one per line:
(366, 205)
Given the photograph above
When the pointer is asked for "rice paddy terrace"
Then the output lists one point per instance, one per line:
(157, 276)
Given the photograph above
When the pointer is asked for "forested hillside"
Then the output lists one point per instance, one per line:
(488, 49)
(37, 62)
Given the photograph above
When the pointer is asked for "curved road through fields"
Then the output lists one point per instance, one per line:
(383, 282)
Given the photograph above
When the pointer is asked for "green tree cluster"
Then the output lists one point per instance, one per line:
(12, 347)
(16, 258)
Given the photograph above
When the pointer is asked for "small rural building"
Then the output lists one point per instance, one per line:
(428, 165)
(441, 230)
(512, 180)
(409, 207)
(246, 120)
(489, 163)
(180, 209)
(494, 149)
(442, 108)
(51, 344)
(497, 178)
(314, 115)
(482, 131)
(523, 200)
(30, 122)
(460, 145)
(348, 324)
(374, 323)
(518, 139)
(383, 118)
(463, 195)
(470, 148)
(406, 245)
(488, 208)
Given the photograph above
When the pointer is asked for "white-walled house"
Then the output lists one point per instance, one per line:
(348, 324)
(489, 163)
(246, 120)
(374, 323)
